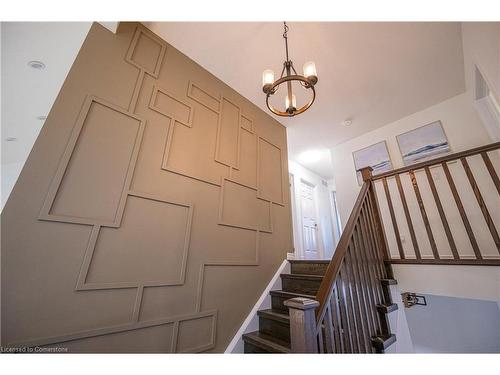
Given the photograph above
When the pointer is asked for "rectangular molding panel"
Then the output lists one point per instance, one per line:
(152, 211)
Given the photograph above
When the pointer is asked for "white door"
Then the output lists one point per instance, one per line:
(309, 221)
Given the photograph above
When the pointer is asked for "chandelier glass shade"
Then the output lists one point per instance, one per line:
(288, 76)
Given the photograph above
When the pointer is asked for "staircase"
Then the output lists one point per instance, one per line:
(304, 281)
(341, 306)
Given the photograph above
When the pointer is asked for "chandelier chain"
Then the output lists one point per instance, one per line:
(285, 36)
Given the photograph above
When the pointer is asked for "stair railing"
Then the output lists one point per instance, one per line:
(473, 171)
(344, 317)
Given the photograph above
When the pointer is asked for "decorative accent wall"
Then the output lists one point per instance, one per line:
(152, 211)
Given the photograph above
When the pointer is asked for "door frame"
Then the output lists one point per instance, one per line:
(296, 234)
(336, 220)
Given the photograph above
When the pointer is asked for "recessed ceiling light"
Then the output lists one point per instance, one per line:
(35, 64)
(347, 122)
(11, 139)
(41, 118)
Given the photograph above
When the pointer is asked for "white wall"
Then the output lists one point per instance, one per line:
(399, 325)
(481, 46)
(322, 195)
(455, 325)
(474, 282)
(461, 124)
(29, 93)
(464, 130)
(57, 45)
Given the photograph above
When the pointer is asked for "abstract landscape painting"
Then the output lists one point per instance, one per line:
(375, 156)
(424, 143)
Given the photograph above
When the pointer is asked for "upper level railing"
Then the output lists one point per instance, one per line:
(447, 207)
(346, 315)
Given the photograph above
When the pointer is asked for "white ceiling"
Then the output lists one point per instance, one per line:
(372, 73)
(28, 93)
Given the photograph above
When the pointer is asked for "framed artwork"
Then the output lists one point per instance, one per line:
(375, 156)
(424, 143)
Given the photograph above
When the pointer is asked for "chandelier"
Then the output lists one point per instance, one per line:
(307, 81)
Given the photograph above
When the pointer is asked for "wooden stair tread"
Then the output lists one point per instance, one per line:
(282, 293)
(267, 342)
(387, 308)
(382, 342)
(300, 276)
(274, 315)
(307, 261)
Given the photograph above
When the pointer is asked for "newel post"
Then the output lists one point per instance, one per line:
(366, 173)
(303, 337)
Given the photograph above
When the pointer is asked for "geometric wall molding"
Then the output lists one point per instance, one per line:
(186, 149)
(270, 172)
(230, 263)
(149, 242)
(204, 98)
(232, 127)
(175, 320)
(240, 207)
(192, 331)
(182, 226)
(228, 134)
(110, 137)
(164, 103)
(247, 124)
(146, 51)
(247, 172)
(122, 256)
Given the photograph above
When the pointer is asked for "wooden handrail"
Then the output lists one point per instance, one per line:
(442, 163)
(353, 299)
(443, 159)
(337, 259)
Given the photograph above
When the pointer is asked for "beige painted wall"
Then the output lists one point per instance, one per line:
(152, 211)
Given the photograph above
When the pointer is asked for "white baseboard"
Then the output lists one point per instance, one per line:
(264, 301)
